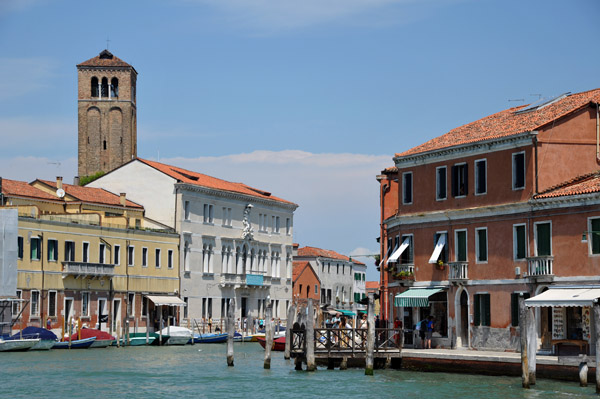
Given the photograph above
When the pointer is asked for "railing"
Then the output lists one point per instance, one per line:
(347, 341)
(405, 268)
(88, 269)
(250, 279)
(458, 270)
(540, 266)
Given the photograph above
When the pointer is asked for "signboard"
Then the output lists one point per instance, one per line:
(558, 323)
(254, 279)
(585, 322)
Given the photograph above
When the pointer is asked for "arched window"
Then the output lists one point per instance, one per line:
(94, 87)
(114, 87)
(104, 88)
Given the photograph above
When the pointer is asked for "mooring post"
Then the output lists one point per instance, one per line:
(524, 348)
(160, 332)
(531, 345)
(288, 331)
(583, 372)
(596, 308)
(268, 336)
(370, 336)
(310, 337)
(231, 331)
(344, 363)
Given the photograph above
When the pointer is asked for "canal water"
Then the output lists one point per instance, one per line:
(201, 371)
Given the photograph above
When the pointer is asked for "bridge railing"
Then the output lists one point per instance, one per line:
(347, 340)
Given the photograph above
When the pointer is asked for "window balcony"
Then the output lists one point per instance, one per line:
(245, 280)
(458, 271)
(87, 270)
(539, 268)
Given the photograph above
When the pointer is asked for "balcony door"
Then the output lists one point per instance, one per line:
(543, 239)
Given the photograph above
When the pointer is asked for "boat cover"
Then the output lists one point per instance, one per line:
(35, 332)
(91, 332)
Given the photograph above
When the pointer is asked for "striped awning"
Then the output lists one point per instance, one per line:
(164, 300)
(415, 297)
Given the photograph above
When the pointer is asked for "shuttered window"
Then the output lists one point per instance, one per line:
(482, 316)
(482, 249)
(543, 242)
(595, 235)
(514, 307)
(461, 246)
(459, 180)
(520, 243)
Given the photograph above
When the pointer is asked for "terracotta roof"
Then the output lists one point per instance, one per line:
(372, 285)
(323, 253)
(105, 59)
(92, 195)
(508, 123)
(586, 184)
(199, 179)
(23, 189)
(299, 267)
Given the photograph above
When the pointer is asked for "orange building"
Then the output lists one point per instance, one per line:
(491, 210)
(305, 283)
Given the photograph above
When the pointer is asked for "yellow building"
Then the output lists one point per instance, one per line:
(87, 253)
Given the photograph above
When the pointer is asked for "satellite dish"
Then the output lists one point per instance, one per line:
(60, 193)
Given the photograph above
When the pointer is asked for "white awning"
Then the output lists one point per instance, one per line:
(398, 252)
(166, 300)
(560, 297)
(388, 258)
(438, 248)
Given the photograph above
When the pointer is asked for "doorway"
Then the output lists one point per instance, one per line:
(116, 314)
(68, 313)
(463, 334)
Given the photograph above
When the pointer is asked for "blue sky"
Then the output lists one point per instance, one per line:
(308, 99)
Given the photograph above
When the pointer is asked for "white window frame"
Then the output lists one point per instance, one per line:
(37, 308)
(83, 295)
(157, 256)
(130, 304)
(144, 256)
(85, 255)
(466, 182)
(476, 175)
(456, 245)
(437, 183)
(16, 305)
(170, 259)
(514, 171)
(487, 246)
(535, 238)
(515, 238)
(590, 234)
(67, 252)
(131, 259)
(411, 247)
(39, 254)
(55, 303)
(288, 226)
(412, 193)
(56, 249)
(117, 254)
(102, 253)
(208, 214)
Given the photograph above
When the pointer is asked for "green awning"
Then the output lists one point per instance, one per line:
(415, 297)
(346, 312)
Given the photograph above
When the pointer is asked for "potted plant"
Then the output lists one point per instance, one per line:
(377, 260)
(440, 264)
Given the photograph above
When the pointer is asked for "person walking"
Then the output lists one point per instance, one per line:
(430, 326)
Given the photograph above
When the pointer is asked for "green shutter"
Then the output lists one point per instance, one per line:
(477, 315)
(514, 309)
(595, 236)
(521, 241)
(543, 239)
(486, 310)
(461, 238)
(482, 244)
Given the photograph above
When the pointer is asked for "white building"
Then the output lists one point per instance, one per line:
(236, 241)
(360, 277)
(336, 273)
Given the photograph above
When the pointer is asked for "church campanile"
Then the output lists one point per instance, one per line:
(107, 121)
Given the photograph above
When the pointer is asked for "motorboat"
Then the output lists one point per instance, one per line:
(177, 335)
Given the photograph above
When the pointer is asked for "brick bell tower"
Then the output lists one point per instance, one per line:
(107, 116)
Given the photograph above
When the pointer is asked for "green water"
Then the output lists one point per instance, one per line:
(201, 371)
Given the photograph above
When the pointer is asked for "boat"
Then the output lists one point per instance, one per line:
(278, 343)
(242, 338)
(16, 345)
(139, 339)
(210, 338)
(47, 337)
(177, 335)
(103, 339)
(76, 344)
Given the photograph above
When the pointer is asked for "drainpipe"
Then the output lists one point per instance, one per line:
(535, 149)
(597, 133)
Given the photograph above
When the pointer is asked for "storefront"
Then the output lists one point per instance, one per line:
(419, 303)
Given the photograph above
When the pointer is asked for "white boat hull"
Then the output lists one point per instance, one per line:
(178, 340)
(13, 345)
(43, 345)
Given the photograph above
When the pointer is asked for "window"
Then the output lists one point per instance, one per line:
(482, 310)
(85, 257)
(186, 257)
(130, 304)
(35, 303)
(117, 254)
(543, 239)
(104, 88)
(20, 247)
(407, 188)
(275, 227)
(144, 257)
(94, 84)
(52, 250)
(207, 258)
(145, 306)
(208, 213)
(170, 258)
(288, 226)
(114, 87)
(481, 246)
(101, 252)
(406, 257)
(519, 242)
(186, 210)
(35, 248)
(594, 235)
(16, 305)
(514, 307)
(480, 177)
(157, 257)
(52, 303)
(440, 251)
(459, 180)
(461, 245)
(226, 216)
(69, 251)
(518, 171)
(130, 255)
(440, 183)
(85, 304)
(185, 308)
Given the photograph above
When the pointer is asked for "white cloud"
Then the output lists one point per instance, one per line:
(27, 75)
(8, 6)
(38, 136)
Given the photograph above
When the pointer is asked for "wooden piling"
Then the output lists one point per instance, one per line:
(524, 347)
(230, 331)
(268, 336)
(160, 342)
(370, 335)
(147, 326)
(310, 337)
(583, 373)
(531, 345)
(288, 331)
(344, 363)
(596, 308)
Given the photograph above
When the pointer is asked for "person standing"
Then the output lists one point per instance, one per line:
(430, 326)
(422, 328)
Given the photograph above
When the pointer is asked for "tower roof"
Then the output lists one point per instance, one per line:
(105, 59)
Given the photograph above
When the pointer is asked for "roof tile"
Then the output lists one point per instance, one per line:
(323, 253)
(105, 59)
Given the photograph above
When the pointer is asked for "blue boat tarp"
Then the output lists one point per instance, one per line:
(35, 332)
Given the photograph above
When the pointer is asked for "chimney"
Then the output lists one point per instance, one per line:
(58, 182)
(76, 181)
(122, 199)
